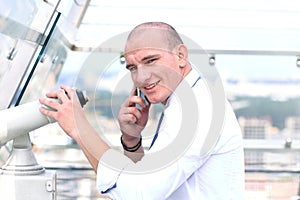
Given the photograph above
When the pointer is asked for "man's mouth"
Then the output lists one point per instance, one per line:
(152, 85)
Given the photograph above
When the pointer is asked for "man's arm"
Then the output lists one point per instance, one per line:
(132, 121)
(130, 141)
(71, 118)
(90, 143)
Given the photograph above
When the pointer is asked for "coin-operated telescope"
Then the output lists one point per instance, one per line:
(24, 118)
(21, 177)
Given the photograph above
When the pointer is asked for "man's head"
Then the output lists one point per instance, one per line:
(157, 59)
(153, 34)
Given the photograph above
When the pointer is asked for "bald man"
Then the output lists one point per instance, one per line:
(172, 167)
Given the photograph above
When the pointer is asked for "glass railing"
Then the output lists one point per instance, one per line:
(24, 29)
(36, 57)
(33, 52)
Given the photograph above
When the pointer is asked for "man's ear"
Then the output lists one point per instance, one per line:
(182, 53)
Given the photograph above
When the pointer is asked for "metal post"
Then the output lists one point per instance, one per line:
(21, 177)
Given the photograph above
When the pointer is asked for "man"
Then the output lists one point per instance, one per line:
(158, 62)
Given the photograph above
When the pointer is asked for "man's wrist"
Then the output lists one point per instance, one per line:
(132, 145)
(130, 140)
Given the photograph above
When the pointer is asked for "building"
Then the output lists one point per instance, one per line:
(254, 128)
(292, 125)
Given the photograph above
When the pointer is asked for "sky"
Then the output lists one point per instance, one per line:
(257, 25)
(266, 26)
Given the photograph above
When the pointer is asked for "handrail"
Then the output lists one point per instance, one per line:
(272, 145)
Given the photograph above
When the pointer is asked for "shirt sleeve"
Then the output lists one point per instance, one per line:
(117, 179)
(107, 175)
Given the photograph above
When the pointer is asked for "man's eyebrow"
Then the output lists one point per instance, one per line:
(143, 60)
(149, 57)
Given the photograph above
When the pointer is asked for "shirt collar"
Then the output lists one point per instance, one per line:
(191, 78)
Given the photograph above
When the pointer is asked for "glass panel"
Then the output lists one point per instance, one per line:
(20, 37)
(48, 68)
(263, 91)
(22, 28)
(220, 24)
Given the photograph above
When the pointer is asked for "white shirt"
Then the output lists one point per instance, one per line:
(193, 170)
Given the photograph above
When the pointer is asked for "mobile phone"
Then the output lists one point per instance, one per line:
(139, 93)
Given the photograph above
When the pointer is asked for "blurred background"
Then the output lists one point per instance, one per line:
(254, 45)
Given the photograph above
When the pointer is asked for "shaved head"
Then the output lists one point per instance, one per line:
(153, 35)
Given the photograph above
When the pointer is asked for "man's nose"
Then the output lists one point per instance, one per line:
(143, 75)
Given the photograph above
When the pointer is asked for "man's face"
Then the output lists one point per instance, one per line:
(155, 71)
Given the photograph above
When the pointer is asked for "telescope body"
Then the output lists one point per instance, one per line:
(26, 117)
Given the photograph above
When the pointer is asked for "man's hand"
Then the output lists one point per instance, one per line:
(133, 120)
(71, 118)
(68, 112)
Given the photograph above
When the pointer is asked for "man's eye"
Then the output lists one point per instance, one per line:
(132, 68)
(150, 61)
